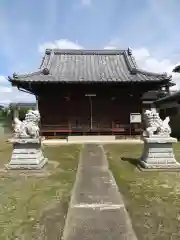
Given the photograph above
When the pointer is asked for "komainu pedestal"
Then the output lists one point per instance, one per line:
(158, 145)
(26, 154)
(158, 153)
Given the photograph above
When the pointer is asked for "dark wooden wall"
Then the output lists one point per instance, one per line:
(68, 108)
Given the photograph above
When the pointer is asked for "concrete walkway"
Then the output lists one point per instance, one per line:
(96, 209)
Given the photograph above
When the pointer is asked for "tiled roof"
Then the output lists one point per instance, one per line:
(153, 95)
(174, 96)
(89, 66)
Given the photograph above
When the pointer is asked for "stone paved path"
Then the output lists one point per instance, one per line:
(96, 209)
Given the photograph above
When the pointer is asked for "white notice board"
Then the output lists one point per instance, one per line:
(135, 118)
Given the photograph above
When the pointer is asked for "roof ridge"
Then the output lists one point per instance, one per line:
(27, 74)
(149, 73)
(130, 61)
(49, 63)
(132, 58)
(42, 62)
(85, 51)
(30, 74)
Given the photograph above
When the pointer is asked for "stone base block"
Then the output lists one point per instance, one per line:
(159, 166)
(26, 154)
(158, 153)
(25, 166)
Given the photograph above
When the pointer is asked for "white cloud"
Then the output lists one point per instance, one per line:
(147, 62)
(3, 79)
(12, 94)
(5, 102)
(5, 89)
(141, 54)
(86, 2)
(109, 47)
(113, 44)
(61, 44)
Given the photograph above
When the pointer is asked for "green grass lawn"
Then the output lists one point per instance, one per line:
(152, 198)
(36, 206)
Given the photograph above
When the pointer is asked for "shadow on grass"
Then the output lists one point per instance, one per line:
(133, 161)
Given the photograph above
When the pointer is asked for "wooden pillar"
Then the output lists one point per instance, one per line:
(37, 106)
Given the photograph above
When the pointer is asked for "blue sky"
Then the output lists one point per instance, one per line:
(149, 27)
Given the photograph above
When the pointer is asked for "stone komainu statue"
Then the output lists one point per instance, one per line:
(27, 128)
(155, 126)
